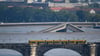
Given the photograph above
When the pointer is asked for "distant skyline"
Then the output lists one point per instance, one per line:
(13, 0)
(58, 3)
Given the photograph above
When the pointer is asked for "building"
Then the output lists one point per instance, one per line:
(56, 3)
(72, 3)
(65, 3)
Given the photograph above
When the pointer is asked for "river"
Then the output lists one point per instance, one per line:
(24, 29)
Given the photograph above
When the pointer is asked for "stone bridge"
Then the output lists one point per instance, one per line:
(23, 48)
(82, 49)
(88, 49)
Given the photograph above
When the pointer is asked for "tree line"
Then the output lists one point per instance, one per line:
(29, 14)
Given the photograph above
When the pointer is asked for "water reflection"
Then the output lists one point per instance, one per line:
(61, 52)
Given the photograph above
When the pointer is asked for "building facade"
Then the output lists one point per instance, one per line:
(71, 3)
(57, 3)
(65, 3)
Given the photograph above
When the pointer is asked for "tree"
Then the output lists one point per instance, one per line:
(3, 12)
(96, 18)
(82, 15)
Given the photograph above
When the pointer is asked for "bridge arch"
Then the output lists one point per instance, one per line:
(9, 52)
(15, 49)
(61, 52)
(22, 48)
(82, 49)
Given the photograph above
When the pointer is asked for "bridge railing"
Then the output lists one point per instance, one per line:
(57, 42)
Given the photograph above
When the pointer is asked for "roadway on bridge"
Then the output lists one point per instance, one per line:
(25, 37)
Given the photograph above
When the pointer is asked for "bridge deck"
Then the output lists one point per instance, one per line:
(25, 37)
(50, 23)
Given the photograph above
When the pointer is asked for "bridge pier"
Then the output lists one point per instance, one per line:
(33, 50)
(93, 49)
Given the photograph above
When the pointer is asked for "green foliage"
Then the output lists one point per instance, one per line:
(81, 15)
(96, 18)
(29, 14)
